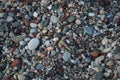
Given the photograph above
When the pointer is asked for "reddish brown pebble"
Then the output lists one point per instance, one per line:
(94, 54)
(27, 23)
(15, 62)
(42, 55)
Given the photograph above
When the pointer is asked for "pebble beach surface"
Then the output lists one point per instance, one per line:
(59, 40)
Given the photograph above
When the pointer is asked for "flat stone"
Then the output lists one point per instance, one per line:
(33, 25)
(33, 43)
(99, 59)
(9, 19)
(21, 77)
(66, 56)
(54, 19)
(98, 76)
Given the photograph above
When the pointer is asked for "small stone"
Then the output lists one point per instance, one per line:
(33, 30)
(15, 62)
(27, 39)
(118, 69)
(99, 59)
(39, 66)
(95, 54)
(42, 55)
(44, 31)
(9, 19)
(33, 25)
(35, 14)
(50, 48)
(109, 55)
(54, 19)
(33, 43)
(66, 56)
(113, 44)
(91, 14)
(71, 19)
(22, 43)
(109, 63)
(27, 23)
(98, 76)
(2, 15)
(88, 30)
(104, 41)
(117, 56)
(55, 39)
(106, 50)
(21, 77)
(78, 22)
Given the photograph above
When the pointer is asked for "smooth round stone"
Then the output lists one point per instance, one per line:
(104, 41)
(33, 25)
(95, 54)
(35, 14)
(54, 19)
(22, 43)
(33, 43)
(9, 19)
(91, 14)
(98, 76)
(66, 56)
(39, 66)
(78, 22)
(44, 31)
(21, 77)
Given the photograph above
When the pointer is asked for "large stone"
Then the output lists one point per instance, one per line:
(33, 25)
(33, 43)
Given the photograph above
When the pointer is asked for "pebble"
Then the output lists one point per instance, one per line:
(21, 77)
(54, 19)
(2, 15)
(66, 56)
(88, 30)
(95, 54)
(118, 69)
(22, 43)
(35, 14)
(78, 22)
(15, 62)
(105, 41)
(33, 25)
(33, 43)
(39, 66)
(71, 19)
(9, 19)
(99, 59)
(98, 76)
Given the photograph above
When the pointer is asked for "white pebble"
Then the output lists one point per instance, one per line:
(35, 14)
